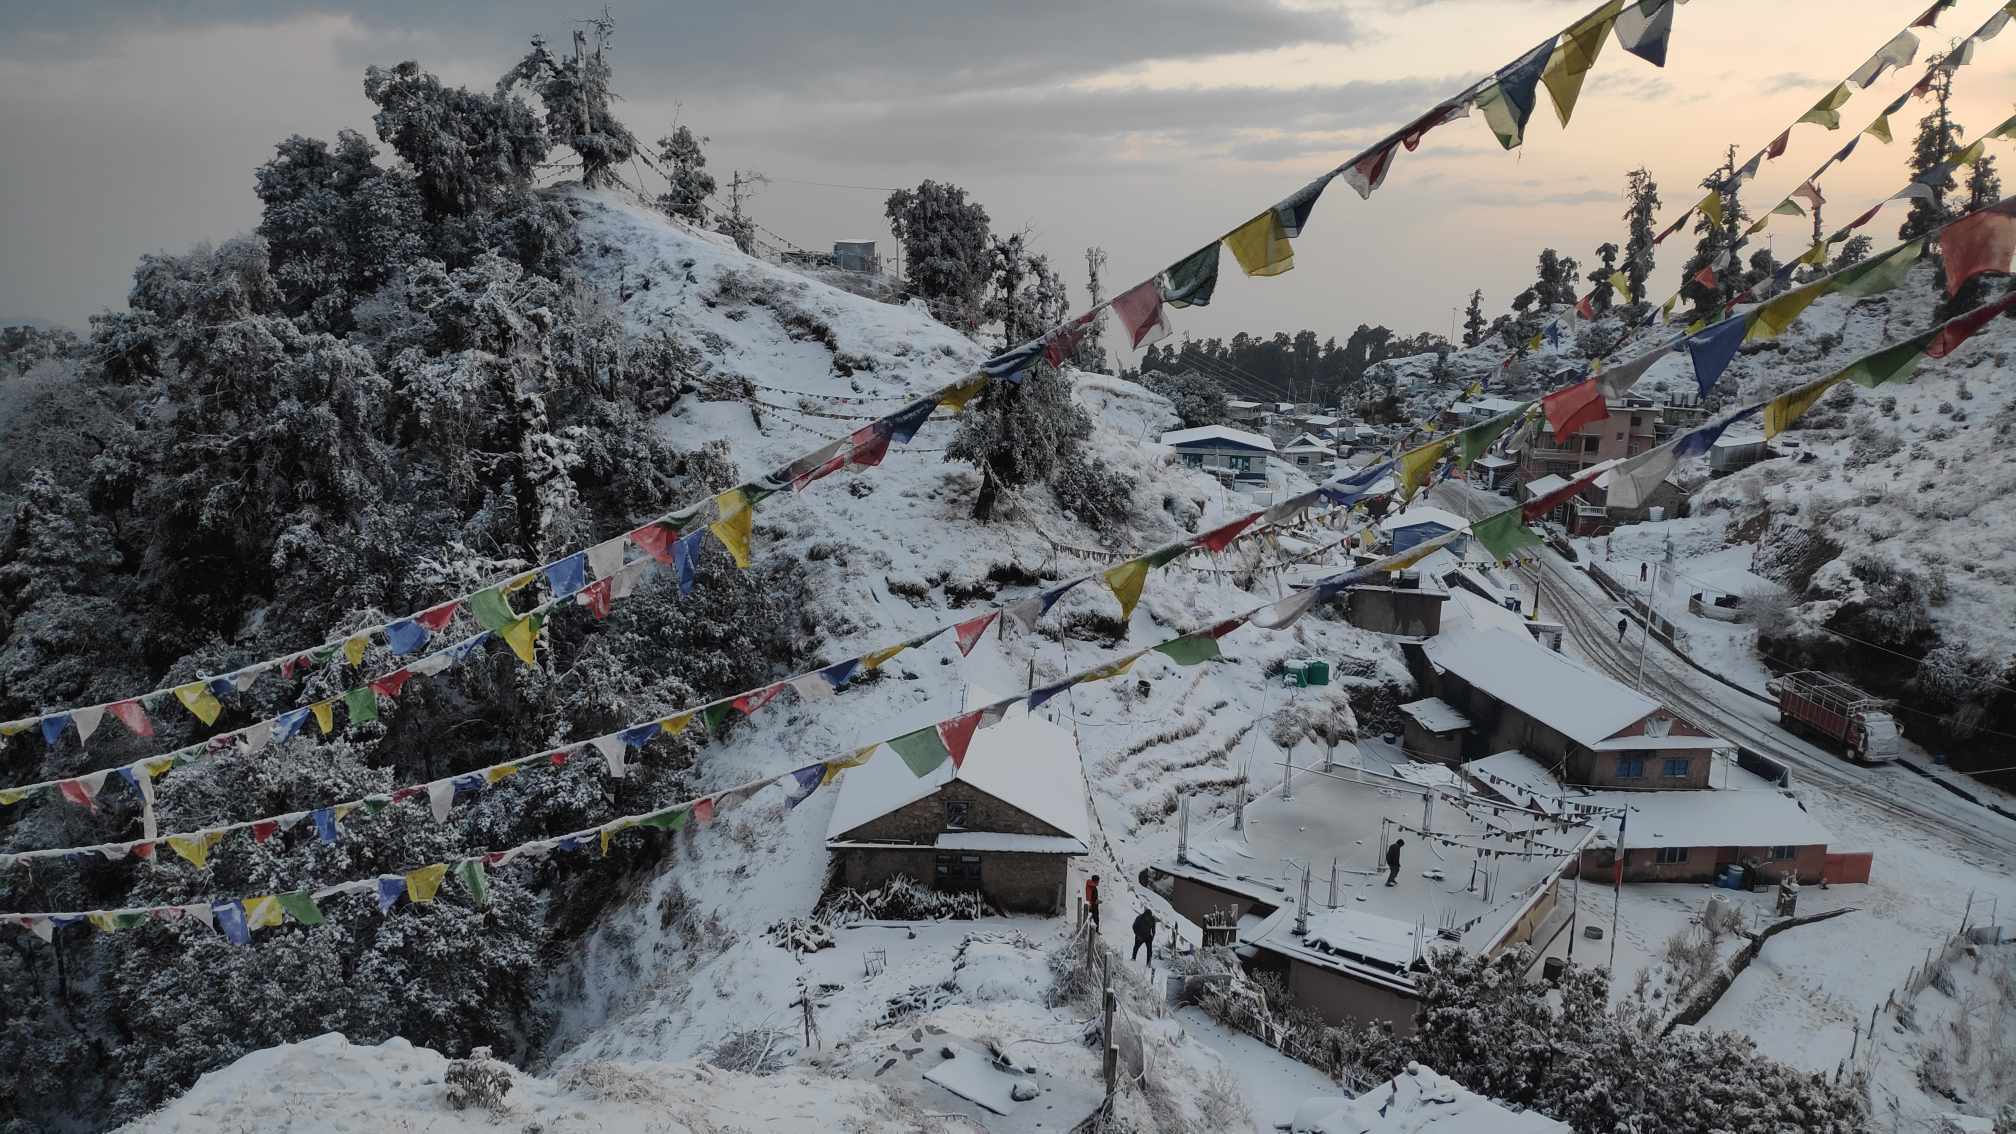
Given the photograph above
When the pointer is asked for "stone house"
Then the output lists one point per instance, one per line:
(1006, 822)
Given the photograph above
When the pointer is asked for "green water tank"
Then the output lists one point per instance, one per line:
(1315, 671)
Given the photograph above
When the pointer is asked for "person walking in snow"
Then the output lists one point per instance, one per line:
(1144, 936)
(1092, 901)
(1622, 625)
(1642, 569)
(1393, 862)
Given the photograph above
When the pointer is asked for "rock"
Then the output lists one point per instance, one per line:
(948, 1051)
(1023, 1092)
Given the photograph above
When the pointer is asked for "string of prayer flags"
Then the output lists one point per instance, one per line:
(1126, 581)
(1948, 337)
(1572, 407)
(1899, 52)
(1293, 211)
(1504, 533)
(1507, 100)
(968, 633)
(1879, 273)
(1982, 242)
(1261, 246)
(1931, 15)
(1575, 54)
(1539, 506)
(1772, 317)
(922, 751)
(1473, 442)
(1140, 311)
(1191, 280)
(198, 699)
(1220, 538)
(1712, 349)
(1645, 28)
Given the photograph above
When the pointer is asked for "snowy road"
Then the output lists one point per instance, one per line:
(1973, 833)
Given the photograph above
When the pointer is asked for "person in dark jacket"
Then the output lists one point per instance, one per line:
(1393, 862)
(1622, 624)
(1144, 937)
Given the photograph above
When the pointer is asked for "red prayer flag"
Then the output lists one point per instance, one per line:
(1064, 340)
(1960, 330)
(291, 666)
(1140, 311)
(1447, 112)
(1585, 307)
(1218, 539)
(1980, 243)
(1776, 149)
(1572, 408)
(390, 684)
(869, 444)
(133, 716)
(595, 596)
(436, 618)
(1706, 276)
(704, 811)
(146, 850)
(798, 483)
(1540, 506)
(560, 758)
(968, 632)
(752, 701)
(957, 733)
(1865, 218)
(76, 792)
(656, 541)
(263, 829)
(1931, 15)
(406, 793)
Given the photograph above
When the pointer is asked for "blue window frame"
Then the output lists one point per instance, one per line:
(1676, 767)
(1630, 767)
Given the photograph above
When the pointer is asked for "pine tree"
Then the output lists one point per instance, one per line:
(578, 99)
(685, 168)
(946, 255)
(1938, 136)
(1601, 296)
(1984, 186)
(1555, 279)
(1474, 326)
(1852, 253)
(1642, 193)
(1718, 246)
(1090, 353)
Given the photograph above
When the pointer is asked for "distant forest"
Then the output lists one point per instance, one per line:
(1286, 368)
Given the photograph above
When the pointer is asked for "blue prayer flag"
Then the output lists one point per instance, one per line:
(460, 651)
(1713, 349)
(1699, 441)
(640, 736)
(231, 921)
(837, 674)
(391, 887)
(288, 723)
(1037, 697)
(904, 424)
(569, 575)
(53, 726)
(325, 825)
(687, 553)
(221, 686)
(406, 635)
(806, 781)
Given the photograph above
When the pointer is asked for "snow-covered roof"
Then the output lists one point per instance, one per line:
(1419, 514)
(1496, 406)
(1003, 841)
(1024, 761)
(1750, 812)
(1204, 433)
(1435, 714)
(1362, 934)
(1544, 485)
(1509, 666)
(1418, 1101)
(1495, 461)
(1321, 421)
(1243, 405)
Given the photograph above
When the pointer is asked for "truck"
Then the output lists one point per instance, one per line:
(1824, 705)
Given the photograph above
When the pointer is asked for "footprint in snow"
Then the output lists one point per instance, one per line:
(884, 1067)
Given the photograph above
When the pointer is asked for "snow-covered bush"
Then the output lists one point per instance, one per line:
(901, 899)
(1199, 400)
(1093, 492)
(478, 1081)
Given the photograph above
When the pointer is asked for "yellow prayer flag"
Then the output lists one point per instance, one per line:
(325, 715)
(673, 726)
(1533, 343)
(102, 922)
(1786, 408)
(875, 658)
(11, 796)
(1879, 129)
(1261, 246)
(421, 884)
(1757, 225)
(263, 912)
(733, 529)
(956, 398)
(521, 582)
(353, 649)
(1972, 153)
(1473, 389)
(834, 768)
(1770, 320)
(1574, 54)
(500, 771)
(195, 848)
(1815, 256)
(197, 698)
(611, 830)
(1412, 556)
(1712, 205)
(1621, 284)
(521, 637)
(1127, 579)
(1113, 669)
(1415, 465)
(15, 728)
(1827, 112)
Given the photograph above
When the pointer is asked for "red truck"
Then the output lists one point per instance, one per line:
(1825, 705)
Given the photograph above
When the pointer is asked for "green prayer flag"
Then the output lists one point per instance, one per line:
(1192, 279)
(664, 820)
(474, 879)
(1190, 649)
(1881, 273)
(128, 920)
(492, 609)
(1788, 208)
(1168, 554)
(362, 704)
(1472, 442)
(1504, 533)
(373, 804)
(1827, 112)
(1892, 365)
(715, 714)
(300, 905)
(922, 750)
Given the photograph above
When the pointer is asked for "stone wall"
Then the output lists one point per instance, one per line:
(1015, 881)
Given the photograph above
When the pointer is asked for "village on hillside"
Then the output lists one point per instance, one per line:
(512, 642)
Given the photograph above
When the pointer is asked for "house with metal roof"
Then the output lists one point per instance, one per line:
(1231, 454)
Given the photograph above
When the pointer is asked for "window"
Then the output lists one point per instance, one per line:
(1590, 441)
(958, 871)
(1781, 854)
(1193, 460)
(955, 813)
(1666, 856)
(1630, 767)
(1239, 464)
(1676, 768)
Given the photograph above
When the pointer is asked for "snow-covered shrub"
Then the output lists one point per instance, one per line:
(1199, 400)
(757, 1051)
(799, 935)
(1094, 494)
(478, 1081)
(901, 899)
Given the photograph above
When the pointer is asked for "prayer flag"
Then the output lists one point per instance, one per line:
(749, 702)
(405, 635)
(231, 922)
(1220, 538)
(200, 701)
(353, 649)
(132, 716)
(1880, 274)
(1473, 442)
(1504, 533)
(1261, 246)
(904, 423)
(264, 912)
(1572, 407)
(1786, 408)
(955, 397)
(1059, 344)
(195, 848)
(1190, 649)
(1711, 205)
(1713, 349)
(1827, 112)
(1507, 100)
(53, 727)
(838, 673)
(1585, 307)
(325, 715)
(569, 575)
(83, 790)
(1786, 208)
(1697, 442)
(1140, 311)
(1620, 378)
(1540, 506)
(835, 767)
(422, 884)
(1956, 331)
(595, 596)
(391, 888)
(1880, 128)
(1931, 15)
(805, 781)
(389, 685)
(1369, 171)
(325, 825)
(1575, 54)
(653, 539)
(361, 705)
(1770, 320)
(1416, 464)
(474, 879)
(968, 633)
(1979, 243)
(1044, 693)
(1621, 284)
(1899, 52)
(1294, 210)
(867, 446)
(492, 609)
(1632, 482)
(957, 734)
(735, 525)
(300, 906)
(1644, 28)
(1127, 579)
(441, 798)
(687, 553)
(1286, 612)
(1841, 154)
(1192, 279)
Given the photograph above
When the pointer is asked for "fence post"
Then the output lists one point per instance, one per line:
(1111, 1001)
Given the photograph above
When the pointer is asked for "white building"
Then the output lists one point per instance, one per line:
(1233, 454)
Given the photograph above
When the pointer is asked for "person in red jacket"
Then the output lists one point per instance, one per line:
(1092, 900)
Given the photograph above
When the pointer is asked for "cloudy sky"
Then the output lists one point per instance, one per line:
(1144, 126)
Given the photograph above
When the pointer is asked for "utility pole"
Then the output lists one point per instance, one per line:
(741, 187)
(1645, 643)
(1617, 891)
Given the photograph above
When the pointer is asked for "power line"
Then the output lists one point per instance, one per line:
(837, 185)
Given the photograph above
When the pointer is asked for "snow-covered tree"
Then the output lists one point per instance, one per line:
(464, 149)
(1642, 196)
(1601, 296)
(336, 224)
(947, 259)
(1019, 433)
(685, 167)
(1474, 324)
(1555, 279)
(1091, 351)
(1718, 247)
(1199, 399)
(1938, 136)
(578, 98)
